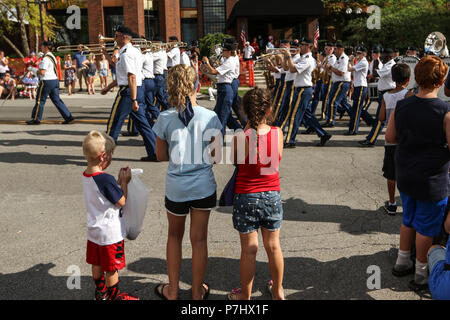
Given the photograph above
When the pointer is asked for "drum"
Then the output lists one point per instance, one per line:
(441, 93)
(411, 61)
(373, 91)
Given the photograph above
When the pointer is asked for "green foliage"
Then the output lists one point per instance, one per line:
(403, 22)
(207, 43)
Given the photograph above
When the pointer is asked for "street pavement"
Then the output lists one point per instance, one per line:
(334, 229)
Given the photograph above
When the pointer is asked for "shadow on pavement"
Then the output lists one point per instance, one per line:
(352, 221)
(342, 279)
(52, 159)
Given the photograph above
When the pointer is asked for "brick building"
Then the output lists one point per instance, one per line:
(189, 19)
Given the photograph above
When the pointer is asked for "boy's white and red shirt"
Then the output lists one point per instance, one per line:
(104, 223)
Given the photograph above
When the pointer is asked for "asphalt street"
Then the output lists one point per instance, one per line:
(334, 226)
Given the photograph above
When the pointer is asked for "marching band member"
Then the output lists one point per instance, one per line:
(385, 84)
(236, 106)
(173, 56)
(285, 107)
(360, 70)
(130, 97)
(374, 65)
(341, 80)
(330, 59)
(48, 87)
(411, 51)
(318, 77)
(225, 93)
(184, 57)
(160, 72)
(302, 95)
(282, 88)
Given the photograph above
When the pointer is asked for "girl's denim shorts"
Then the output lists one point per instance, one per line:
(254, 210)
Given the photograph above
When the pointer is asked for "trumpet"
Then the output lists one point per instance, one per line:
(171, 45)
(266, 56)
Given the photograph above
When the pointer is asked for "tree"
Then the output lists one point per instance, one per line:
(207, 43)
(16, 15)
(403, 22)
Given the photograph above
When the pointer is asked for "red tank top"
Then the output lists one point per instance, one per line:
(260, 171)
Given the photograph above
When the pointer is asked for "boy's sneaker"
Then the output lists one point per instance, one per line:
(390, 208)
(125, 296)
(101, 295)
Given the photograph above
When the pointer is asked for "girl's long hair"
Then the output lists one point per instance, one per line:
(180, 84)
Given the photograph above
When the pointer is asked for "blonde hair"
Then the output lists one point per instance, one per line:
(95, 143)
(180, 84)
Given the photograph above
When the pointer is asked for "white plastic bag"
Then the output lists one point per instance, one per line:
(136, 205)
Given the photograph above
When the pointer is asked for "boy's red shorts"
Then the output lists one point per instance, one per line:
(110, 258)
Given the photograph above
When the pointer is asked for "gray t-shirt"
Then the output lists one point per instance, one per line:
(391, 99)
(189, 175)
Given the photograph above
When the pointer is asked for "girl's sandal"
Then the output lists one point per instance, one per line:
(269, 288)
(234, 294)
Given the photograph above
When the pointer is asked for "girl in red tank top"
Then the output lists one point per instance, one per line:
(257, 201)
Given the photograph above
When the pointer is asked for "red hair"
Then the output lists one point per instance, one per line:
(430, 72)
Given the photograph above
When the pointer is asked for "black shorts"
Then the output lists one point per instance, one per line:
(182, 208)
(389, 162)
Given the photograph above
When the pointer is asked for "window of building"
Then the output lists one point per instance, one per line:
(188, 3)
(189, 30)
(214, 16)
(113, 18)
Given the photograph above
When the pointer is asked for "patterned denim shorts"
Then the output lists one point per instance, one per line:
(254, 210)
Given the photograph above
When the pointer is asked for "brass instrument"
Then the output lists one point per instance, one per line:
(436, 43)
(171, 45)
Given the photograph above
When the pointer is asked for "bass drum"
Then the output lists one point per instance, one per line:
(411, 61)
(441, 93)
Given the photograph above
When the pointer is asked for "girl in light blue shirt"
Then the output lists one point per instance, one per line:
(187, 136)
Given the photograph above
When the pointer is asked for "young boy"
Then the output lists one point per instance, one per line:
(401, 74)
(104, 198)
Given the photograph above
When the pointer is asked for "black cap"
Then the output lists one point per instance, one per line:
(124, 30)
(360, 49)
(388, 51)
(229, 46)
(329, 44)
(307, 41)
(48, 43)
(173, 38)
(284, 41)
(376, 50)
(412, 48)
(339, 45)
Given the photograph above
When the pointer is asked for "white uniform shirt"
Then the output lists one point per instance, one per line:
(360, 73)
(305, 66)
(173, 57)
(148, 66)
(237, 67)
(331, 59)
(184, 59)
(380, 65)
(342, 65)
(159, 62)
(290, 76)
(3, 66)
(385, 82)
(277, 75)
(49, 67)
(248, 52)
(226, 71)
(130, 61)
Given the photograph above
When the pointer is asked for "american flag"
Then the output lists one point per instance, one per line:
(243, 35)
(316, 36)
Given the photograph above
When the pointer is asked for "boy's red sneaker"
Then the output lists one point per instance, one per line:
(125, 296)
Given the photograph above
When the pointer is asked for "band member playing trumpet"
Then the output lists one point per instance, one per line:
(225, 93)
(301, 100)
(329, 60)
(359, 69)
